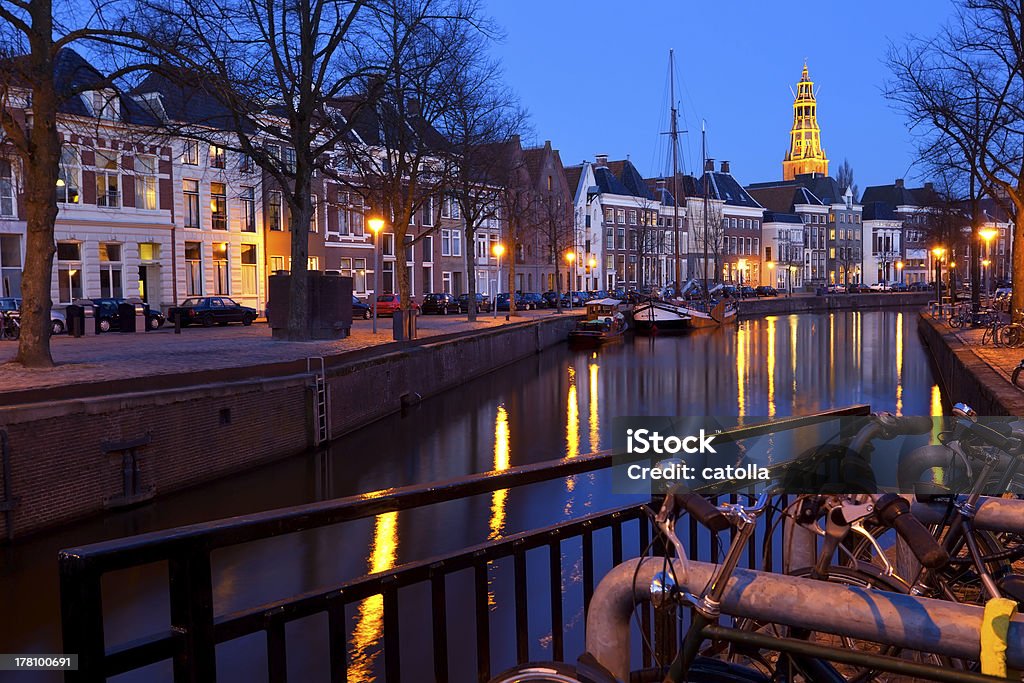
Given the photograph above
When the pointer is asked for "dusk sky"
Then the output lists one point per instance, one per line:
(594, 76)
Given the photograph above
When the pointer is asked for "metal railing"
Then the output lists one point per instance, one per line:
(195, 631)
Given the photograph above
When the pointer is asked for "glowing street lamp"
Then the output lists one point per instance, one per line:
(498, 250)
(937, 252)
(899, 269)
(570, 258)
(988, 234)
(376, 225)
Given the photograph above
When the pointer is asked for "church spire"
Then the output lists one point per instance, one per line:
(805, 154)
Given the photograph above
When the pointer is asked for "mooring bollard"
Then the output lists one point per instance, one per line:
(177, 322)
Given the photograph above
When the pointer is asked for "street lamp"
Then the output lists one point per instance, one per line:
(376, 225)
(770, 265)
(591, 265)
(792, 269)
(937, 252)
(988, 234)
(899, 269)
(570, 258)
(498, 250)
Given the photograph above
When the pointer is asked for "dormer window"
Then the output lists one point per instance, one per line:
(105, 104)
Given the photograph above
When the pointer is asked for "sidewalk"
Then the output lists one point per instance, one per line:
(114, 357)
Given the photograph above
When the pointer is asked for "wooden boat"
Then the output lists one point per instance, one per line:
(712, 314)
(605, 323)
(660, 317)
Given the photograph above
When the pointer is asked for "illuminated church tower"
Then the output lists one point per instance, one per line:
(805, 154)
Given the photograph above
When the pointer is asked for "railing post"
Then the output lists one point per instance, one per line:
(191, 594)
(81, 610)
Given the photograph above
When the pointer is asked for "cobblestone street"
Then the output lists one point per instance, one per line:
(114, 356)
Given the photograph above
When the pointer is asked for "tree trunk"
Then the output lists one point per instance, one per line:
(1017, 264)
(470, 246)
(558, 282)
(41, 171)
(298, 290)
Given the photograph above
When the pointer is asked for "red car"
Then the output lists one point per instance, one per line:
(387, 304)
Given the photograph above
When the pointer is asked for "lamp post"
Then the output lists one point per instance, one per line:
(498, 250)
(376, 225)
(570, 258)
(899, 269)
(591, 266)
(770, 265)
(792, 269)
(937, 252)
(988, 234)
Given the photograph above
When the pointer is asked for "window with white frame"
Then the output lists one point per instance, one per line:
(289, 159)
(217, 157)
(343, 222)
(446, 242)
(190, 188)
(446, 282)
(446, 207)
(248, 199)
(314, 219)
(111, 273)
(410, 249)
(69, 271)
(428, 249)
(221, 271)
(632, 216)
(145, 182)
(274, 209)
(277, 264)
(194, 268)
(105, 104)
(6, 188)
(219, 208)
(10, 265)
(108, 179)
(245, 163)
(248, 258)
(69, 176)
(389, 244)
(480, 249)
(313, 263)
(190, 154)
(427, 217)
(387, 284)
(456, 242)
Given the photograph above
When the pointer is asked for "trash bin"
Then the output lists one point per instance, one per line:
(126, 320)
(398, 325)
(75, 317)
(411, 327)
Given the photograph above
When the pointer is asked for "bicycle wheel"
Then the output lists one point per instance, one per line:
(864, 577)
(955, 321)
(1011, 335)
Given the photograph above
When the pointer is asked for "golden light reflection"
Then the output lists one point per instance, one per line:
(771, 366)
(936, 407)
(594, 421)
(741, 370)
(793, 320)
(370, 618)
(572, 426)
(831, 351)
(899, 363)
(501, 463)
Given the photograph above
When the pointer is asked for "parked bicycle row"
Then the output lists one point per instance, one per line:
(758, 626)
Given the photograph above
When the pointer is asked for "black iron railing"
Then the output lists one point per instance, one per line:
(195, 631)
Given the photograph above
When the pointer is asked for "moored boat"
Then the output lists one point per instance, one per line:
(604, 323)
(660, 317)
(711, 314)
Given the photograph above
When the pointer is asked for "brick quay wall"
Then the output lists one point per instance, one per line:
(783, 305)
(61, 467)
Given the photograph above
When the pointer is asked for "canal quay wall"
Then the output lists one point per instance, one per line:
(69, 459)
(783, 305)
(966, 378)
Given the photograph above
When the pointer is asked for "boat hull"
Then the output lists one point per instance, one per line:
(718, 316)
(659, 318)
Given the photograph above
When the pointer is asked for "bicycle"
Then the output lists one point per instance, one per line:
(10, 325)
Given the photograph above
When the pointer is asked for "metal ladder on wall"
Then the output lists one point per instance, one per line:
(321, 413)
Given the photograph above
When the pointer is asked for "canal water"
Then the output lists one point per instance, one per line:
(558, 403)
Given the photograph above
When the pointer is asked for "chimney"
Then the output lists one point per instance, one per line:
(899, 182)
(709, 165)
(661, 183)
(601, 159)
(725, 167)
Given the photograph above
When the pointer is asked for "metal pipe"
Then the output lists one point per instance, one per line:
(903, 621)
(993, 514)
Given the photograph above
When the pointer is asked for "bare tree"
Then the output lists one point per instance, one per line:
(518, 202)
(482, 123)
(963, 93)
(844, 176)
(555, 223)
(272, 67)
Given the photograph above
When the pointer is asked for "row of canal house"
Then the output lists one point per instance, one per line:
(144, 213)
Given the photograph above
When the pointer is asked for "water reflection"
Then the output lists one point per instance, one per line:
(369, 628)
(526, 412)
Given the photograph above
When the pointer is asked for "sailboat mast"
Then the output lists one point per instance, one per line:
(675, 172)
(704, 166)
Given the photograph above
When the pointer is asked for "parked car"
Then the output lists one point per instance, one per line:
(361, 309)
(531, 301)
(210, 310)
(880, 287)
(58, 323)
(858, 288)
(441, 303)
(503, 300)
(579, 299)
(921, 286)
(898, 287)
(387, 304)
(836, 289)
(765, 290)
(483, 303)
(551, 297)
(109, 318)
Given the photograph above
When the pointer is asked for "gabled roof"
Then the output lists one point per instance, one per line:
(607, 183)
(725, 187)
(572, 177)
(880, 211)
(783, 198)
(782, 217)
(190, 104)
(73, 76)
(894, 195)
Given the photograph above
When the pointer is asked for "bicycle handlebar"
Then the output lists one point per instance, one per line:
(904, 424)
(701, 508)
(895, 511)
(996, 434)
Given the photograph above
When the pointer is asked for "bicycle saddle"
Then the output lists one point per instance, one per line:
(1012, 586)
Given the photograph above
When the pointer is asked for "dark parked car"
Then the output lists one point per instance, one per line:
(578, 299)
(921, 287)
(745, 291)
(210, 310)
(361, 309)
(862, 289)
(58, 324)
(531, 301)
(109, 318)
(765, 290)
(898, 287)
(482, 303)
(503, 301)
(440, 303)
(551, 297)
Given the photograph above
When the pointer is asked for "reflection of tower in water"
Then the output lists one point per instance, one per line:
(370, 617)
